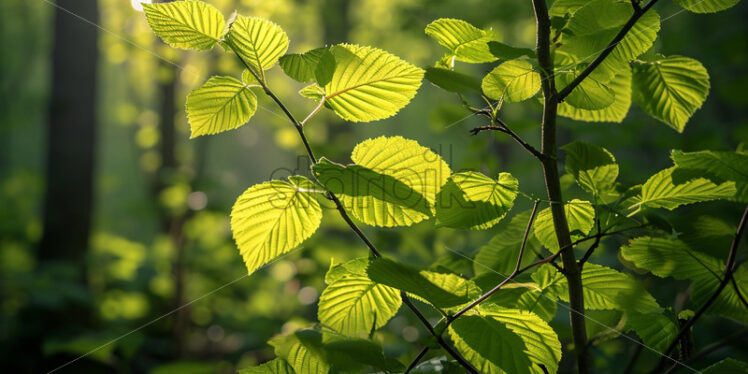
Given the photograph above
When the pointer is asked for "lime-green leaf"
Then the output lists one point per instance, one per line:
(272, 218)
(302, 351)
(706, 6)
(354, 304)
(506, 341)
(512, 81)
(369, 84)
(717, 166)
(507, 52)
(186, 24)
(604, 289)
(220, 104)
(616, 112)
(356, 266)
(465, 42)
(489, 345)
(667, 257)
(670, 89)
(259, 42)
(441, 290)
(579, 214)
(500, 253)
(471, 200)
(317, 64)
(394, 181)
(727, 366)
(452, 81)
(593, 27)
(593, 167)
(521, 295)
(313, 92)
(541, 342)
(276, 366)
(560, 8)
(660, 191)
(656, 330)
(590, 94)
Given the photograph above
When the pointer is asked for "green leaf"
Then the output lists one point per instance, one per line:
(541, 342)
(369, 84)
(609, 289)
(506, 341)
(604, 289)
(593, 27)
(660, 191)
(620, 84)
(465, 42)
(354, 304)
(220, 104)
(727, 366)
(440, 290)
(500, 253)
(656, 330)
(706, 6)
(590, 94)
(489, 345)
(512, 81)
(313, 92)
(259, 42)
(560, 8)
(507, 52)
(593, 167)
(186, 24)
(356, 266)
(521, 293)
(670, 89)
(452, 81)
(717, 166)
(394, 181)
(317, 64)
(667, 257)
(471, 200)
(580, 216)
(276, 366)
(272, 218)
(302, 351)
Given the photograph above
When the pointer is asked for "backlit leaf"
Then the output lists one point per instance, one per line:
(464, 41)
(186, 24)
(670, 89)
(593, 167)
(471, 200)
(579, 215)
(259, 42)
(272, 218)
(220, 104)
(661, 191)
(512, 81)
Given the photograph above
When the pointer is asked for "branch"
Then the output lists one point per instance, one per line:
(510, 277)
(417, 359)
(638, 12)
(729, 269)
(506, 130)
(594, 245)
(300, 128)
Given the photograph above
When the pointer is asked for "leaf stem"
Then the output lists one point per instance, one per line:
(729, 271)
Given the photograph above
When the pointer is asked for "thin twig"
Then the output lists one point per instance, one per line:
(594, 245)
(416, 360)
(507, 279)
(729, 269)
(502, 127)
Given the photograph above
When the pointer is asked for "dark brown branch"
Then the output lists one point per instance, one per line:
(594, 245)
(506, 130)
(638, 12)
(729, 270)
